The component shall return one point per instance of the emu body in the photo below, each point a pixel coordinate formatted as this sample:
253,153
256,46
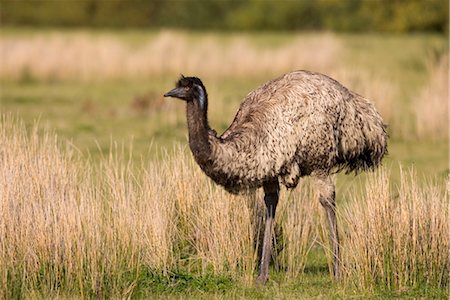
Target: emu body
300,124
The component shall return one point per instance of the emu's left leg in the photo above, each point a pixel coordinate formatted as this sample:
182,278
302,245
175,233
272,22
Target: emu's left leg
327,197
271,192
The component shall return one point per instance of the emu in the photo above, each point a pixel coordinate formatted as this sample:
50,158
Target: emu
299,124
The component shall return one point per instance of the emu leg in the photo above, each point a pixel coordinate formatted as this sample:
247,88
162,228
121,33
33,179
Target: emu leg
328,201
271,192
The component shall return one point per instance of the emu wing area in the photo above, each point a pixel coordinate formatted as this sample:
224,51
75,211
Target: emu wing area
277,129
296,125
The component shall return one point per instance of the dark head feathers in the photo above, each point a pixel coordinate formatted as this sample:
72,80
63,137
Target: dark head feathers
189,82
189,89
193,88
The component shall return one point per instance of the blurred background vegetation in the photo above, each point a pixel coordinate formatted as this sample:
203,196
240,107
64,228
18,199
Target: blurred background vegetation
349,15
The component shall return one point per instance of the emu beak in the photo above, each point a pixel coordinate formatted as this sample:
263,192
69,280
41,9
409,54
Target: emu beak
176,92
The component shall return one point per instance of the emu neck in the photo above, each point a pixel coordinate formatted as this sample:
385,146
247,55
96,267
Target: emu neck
198,127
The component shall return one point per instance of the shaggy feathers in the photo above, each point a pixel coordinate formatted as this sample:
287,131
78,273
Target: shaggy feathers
299,124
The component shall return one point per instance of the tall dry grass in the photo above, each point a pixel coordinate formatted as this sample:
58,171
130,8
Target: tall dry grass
86,56
397,238
297,225
61,227
431,105
68,227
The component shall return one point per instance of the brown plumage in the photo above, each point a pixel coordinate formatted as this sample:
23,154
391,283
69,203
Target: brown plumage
299,124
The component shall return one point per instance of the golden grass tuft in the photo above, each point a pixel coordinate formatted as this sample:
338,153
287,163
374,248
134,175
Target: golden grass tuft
396,238
68,227
297,222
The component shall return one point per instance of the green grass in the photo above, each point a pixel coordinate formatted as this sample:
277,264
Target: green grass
314,283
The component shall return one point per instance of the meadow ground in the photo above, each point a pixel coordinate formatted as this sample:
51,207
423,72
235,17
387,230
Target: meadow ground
88,233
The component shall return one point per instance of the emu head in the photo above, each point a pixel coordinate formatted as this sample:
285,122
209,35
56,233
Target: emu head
189,89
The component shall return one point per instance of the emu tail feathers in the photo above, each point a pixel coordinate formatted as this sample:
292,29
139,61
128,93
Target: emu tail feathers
363,137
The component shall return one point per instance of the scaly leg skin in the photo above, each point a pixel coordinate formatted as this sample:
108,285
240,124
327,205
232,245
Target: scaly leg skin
271,193
328,201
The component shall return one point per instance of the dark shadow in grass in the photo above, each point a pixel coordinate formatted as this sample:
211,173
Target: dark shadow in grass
317,269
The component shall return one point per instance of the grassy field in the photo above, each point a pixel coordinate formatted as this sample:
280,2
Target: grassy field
75,212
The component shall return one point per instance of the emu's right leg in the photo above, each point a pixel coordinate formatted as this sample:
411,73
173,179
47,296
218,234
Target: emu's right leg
271,192
327,196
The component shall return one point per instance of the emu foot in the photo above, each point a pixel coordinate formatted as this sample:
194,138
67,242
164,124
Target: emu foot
337,274
262,279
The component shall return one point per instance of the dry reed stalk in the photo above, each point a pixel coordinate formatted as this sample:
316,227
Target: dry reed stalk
218,230
90,57
396,239
431,106
42,234
67,226
297,218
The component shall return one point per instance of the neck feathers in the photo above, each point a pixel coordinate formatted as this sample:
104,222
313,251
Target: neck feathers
201,97
198,126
